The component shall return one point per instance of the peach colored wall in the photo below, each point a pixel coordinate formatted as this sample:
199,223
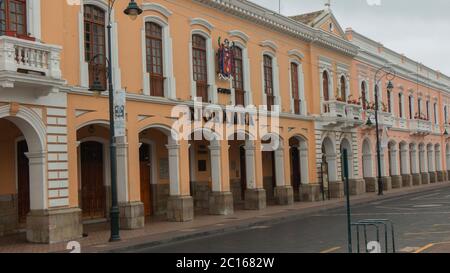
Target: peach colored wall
8,156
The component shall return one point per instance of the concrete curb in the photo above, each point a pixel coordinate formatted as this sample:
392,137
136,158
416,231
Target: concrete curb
290,215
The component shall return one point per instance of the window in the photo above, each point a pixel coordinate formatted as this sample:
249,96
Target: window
13,18
363,95
411,103
419,107
435,113
200,66
389,101
325,88
94,44
400,105
445,115
238,77
268,81
428,109
295,88
154,53
343,89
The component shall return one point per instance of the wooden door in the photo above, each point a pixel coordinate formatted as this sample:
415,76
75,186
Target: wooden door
295,168
23,181
243,172
93,193
145,174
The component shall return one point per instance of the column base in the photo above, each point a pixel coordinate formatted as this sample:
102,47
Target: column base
371,184
440,176
433,177
425,178
357,186
396,181
132,215
336,189
180,208
284,195
407,180
417,179
255,199
310,193
221,203
53,226
387,183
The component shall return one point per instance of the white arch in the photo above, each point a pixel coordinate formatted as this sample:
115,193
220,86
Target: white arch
34,131
172,135
157,7
237,33
202,22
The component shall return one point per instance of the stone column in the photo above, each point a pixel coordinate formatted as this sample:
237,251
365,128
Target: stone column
309,192
131,212
220,199
431,166
45,225
369,179
283,192
424,167
387,182
396,178
255,195
336,186
416,177
405,168
357,185
180,204
440,174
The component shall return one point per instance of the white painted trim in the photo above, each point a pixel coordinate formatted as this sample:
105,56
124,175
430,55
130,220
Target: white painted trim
212,95
237,33
270,44
296,53
202,22
169,81
34,18
157,7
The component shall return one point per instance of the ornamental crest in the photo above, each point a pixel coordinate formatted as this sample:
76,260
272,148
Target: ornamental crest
226,59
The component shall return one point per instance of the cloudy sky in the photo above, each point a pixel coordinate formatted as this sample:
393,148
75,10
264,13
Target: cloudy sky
418,28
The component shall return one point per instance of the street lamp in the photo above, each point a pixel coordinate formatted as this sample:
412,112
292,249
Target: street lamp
389,73
133,10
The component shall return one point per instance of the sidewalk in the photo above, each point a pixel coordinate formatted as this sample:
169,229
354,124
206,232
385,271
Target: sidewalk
159,231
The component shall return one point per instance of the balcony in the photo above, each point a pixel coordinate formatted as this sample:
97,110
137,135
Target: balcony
385,119
25,63
338,113
420,127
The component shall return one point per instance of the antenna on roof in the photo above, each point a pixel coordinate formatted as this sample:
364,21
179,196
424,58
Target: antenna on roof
328,4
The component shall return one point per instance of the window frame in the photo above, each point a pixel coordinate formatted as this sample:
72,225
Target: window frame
200,70
151,39
25,34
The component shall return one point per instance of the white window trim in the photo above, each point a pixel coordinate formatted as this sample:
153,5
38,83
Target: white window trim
276,80
169,81
248,98
301,87
330,85
84,66
365,82
347,83
413,102
402,111
212,95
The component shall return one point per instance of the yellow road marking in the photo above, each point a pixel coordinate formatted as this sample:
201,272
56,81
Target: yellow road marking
333,249
422,249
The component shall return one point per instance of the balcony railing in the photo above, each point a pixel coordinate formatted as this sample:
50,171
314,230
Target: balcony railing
30,57
338,112
420,127
385,119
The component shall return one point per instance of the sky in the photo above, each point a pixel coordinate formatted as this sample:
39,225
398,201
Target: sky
420,29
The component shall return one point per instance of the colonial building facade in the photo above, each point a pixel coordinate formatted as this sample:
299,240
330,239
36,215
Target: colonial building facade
306,80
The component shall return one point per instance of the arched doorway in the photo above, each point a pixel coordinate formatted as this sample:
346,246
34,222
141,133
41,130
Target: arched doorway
405,167
299,164
431,163
438,163
23,168
145,165
23,181
94,171
394,171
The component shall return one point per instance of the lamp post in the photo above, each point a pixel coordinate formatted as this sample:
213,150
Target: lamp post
132,10
389,73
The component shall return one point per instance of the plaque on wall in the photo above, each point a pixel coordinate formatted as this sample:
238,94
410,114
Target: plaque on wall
164,168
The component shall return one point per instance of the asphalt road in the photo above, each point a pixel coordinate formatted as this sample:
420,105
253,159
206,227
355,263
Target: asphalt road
419,218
